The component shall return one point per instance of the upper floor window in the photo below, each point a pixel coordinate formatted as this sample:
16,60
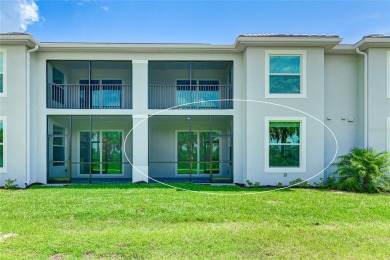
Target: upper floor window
388,74
3,144
285,74
3,75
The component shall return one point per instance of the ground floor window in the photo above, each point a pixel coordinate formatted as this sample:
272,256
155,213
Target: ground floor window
3,147
195,151
285,150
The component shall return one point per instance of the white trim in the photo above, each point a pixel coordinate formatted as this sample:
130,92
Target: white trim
4,168
388,74
388,134
4,93
302,54
197,174
302,150
140,61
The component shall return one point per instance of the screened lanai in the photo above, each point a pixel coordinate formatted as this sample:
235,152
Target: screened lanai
191,148
88,149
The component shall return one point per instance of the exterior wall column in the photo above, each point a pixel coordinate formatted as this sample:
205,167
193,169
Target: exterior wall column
140,148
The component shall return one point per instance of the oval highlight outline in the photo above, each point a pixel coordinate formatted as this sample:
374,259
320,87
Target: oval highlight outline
241,193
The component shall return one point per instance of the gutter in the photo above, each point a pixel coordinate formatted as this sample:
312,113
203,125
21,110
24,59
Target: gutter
365,95
28,114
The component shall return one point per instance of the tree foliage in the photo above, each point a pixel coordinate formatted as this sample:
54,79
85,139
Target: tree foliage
362,170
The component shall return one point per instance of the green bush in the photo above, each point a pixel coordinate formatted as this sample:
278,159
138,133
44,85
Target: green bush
299,183
362,170
10,184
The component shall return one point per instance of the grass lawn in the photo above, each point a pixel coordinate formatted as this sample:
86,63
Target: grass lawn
152,221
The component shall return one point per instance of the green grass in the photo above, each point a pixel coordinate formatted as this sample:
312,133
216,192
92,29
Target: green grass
152,221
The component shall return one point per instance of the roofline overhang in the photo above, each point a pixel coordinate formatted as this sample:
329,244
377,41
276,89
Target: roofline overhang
136,47
18,39
243,42
373,42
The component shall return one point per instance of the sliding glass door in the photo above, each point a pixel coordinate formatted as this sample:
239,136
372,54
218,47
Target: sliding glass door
196,151
103,150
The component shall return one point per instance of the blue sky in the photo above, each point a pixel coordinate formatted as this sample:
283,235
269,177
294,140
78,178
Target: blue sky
216,22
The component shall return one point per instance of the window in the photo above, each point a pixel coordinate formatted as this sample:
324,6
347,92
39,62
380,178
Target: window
285,74
57,94
285,145
3,73
199,148
3,144
105,95
58,146
106,154
388,134
198,90
388,74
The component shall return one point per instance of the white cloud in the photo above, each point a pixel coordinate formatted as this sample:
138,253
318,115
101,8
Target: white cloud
17,15
105,8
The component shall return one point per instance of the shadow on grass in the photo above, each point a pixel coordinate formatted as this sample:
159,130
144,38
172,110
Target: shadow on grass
180,187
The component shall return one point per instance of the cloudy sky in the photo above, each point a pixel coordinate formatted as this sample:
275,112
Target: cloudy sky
168,21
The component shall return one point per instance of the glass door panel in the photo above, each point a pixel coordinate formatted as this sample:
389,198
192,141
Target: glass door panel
209,151
96,167
112,152
85,151
187,152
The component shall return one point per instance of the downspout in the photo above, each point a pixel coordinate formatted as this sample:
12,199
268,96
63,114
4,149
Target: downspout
28,114
365,75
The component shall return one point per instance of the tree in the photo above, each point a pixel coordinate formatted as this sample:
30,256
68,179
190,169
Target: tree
362,170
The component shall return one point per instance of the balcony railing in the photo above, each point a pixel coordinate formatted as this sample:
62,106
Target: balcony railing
89,96
190,96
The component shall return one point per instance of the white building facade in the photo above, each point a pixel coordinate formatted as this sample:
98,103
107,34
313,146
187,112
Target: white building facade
269,108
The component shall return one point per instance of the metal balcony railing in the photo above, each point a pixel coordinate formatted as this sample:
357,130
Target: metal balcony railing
190,96
89,96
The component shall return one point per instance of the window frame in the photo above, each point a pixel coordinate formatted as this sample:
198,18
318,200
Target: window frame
302,54
4,168
302,145
4,72
388,134
62,146
388,74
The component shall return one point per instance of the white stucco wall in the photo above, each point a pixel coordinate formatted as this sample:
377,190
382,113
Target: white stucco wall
13,107
378,101
343,104
256,113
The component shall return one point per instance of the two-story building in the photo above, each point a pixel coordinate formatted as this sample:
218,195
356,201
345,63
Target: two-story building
269,108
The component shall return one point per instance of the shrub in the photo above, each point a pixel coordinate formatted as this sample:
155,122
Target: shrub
299,183
10,184
252,185
362,170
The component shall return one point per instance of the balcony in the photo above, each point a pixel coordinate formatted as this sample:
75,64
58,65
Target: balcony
190,84
89,84
89,96
190,96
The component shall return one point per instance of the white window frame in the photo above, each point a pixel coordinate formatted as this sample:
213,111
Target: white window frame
4,168
388,134
302,54
61,146
4,93
388,74
302,150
